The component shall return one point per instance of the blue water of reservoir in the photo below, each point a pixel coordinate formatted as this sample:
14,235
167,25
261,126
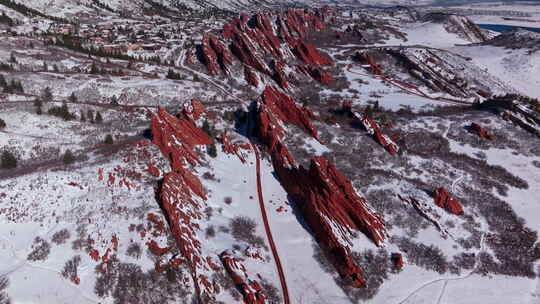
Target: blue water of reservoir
503,28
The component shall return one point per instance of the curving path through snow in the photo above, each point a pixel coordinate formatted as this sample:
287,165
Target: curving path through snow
279,267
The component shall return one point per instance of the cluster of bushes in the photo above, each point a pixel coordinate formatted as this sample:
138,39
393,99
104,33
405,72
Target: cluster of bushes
14,86
40,250
243,229
128,283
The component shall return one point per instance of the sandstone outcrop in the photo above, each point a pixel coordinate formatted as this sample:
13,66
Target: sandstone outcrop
251,289
480,131
444,200
177,138
374,129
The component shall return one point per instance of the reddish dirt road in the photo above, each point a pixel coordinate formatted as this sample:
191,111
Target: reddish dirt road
281,274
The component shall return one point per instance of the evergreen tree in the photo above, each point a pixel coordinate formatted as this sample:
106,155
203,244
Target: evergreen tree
38,104
90,116
2,124
45,66
3,82
12,58
68,158
83,118
109,139
46,95
99,119
72,98
8,160
212,151
114,100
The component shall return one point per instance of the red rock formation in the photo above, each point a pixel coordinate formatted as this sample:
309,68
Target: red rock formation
155,249
365,58
244,49
283,107
480,131
251,289
373,129
251,77
194,109
231,148
332,209
309,54
279,74
321,76
177,138
444,200
397,260
209,56
182,194
153,170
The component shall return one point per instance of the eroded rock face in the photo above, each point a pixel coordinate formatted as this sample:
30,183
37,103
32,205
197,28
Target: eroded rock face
397,260
194,109
276,36
283,107
251,289
309,54
215,54
177,138
322,76
251,77
444,200
182,194
480,131
374,129
333,210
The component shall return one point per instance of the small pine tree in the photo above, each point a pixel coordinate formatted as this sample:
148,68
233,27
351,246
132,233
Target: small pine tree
68,158
3,82
8,160
46,95
212,151
55,68
2,124
83,117
109,139
72,98
12,58
38,104
90,115
99,119
114,100
45,66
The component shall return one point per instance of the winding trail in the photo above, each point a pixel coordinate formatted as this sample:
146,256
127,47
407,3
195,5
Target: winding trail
446,280
279,267
410,89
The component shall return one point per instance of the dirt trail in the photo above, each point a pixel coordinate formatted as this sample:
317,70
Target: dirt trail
279,267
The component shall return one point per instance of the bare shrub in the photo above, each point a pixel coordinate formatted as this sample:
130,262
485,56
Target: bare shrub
134,250
4,297
228,200
60,237
428,257
71,268
127,283
40,250
243,229
210,232
375,266
271,292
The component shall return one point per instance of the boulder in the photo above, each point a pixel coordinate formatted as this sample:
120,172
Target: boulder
480,131
177,138
320,75
397,260
251,289
444,200
309,54
250,76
